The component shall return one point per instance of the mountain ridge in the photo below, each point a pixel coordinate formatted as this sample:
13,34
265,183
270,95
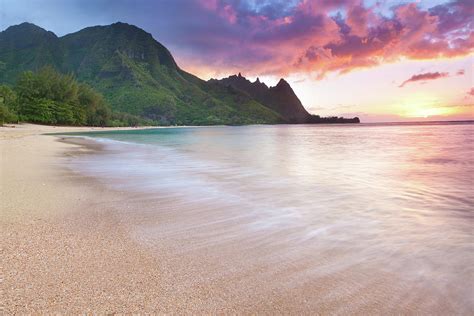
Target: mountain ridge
281,98
138,75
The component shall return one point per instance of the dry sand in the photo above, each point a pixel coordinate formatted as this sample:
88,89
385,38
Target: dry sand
68,245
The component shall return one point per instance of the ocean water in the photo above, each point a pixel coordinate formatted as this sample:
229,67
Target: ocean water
358,212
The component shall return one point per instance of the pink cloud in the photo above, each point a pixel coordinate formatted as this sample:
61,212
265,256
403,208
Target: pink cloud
209,4
425,77
311,36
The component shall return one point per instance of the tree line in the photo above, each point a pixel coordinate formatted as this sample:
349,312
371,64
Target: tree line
49,97
316,119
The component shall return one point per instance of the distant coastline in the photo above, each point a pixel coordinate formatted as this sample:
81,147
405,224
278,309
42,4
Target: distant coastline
434,122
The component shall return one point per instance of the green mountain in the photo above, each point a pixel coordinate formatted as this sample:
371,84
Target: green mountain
139,76
26,47
135,73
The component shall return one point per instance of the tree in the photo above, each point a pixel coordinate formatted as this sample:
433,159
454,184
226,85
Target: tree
93,106
8,105
49,97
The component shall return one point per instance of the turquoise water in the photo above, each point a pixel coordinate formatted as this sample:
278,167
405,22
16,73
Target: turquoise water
395,199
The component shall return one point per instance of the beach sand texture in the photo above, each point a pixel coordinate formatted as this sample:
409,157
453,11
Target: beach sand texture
61,249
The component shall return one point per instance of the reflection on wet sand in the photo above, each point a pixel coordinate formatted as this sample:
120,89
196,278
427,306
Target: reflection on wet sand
302,218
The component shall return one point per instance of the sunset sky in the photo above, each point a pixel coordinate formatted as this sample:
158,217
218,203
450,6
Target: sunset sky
379,60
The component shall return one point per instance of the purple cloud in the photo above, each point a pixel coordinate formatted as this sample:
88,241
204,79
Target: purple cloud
425,77
272,37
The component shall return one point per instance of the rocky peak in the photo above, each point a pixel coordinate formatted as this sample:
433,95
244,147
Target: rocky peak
26,29
283,84
280,98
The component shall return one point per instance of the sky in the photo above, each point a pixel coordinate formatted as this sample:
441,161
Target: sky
393,60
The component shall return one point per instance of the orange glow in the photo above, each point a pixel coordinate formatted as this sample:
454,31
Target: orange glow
430,112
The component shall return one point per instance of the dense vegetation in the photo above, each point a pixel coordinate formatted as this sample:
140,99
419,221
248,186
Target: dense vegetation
316,119
48,97
8,105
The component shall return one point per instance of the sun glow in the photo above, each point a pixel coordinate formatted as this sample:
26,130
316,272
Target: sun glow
429,112
421,105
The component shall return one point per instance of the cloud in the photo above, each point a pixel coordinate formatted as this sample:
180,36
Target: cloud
279,37
460,72
340,36
425,77
471,92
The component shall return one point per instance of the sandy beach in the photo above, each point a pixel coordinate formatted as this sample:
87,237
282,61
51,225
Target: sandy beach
65,250
62,249
70,244
300,157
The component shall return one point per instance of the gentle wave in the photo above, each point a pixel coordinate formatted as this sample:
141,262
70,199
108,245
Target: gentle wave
314,201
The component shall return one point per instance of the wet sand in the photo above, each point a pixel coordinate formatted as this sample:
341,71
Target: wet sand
71,245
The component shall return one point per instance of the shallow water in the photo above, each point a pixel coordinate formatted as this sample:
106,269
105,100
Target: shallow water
361,204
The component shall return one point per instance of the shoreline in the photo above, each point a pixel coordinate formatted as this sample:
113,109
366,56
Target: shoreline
63,248
68,244
72,244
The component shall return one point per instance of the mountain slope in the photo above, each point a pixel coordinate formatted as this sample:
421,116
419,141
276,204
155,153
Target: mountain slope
138,75
281,98
135,73
25,47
